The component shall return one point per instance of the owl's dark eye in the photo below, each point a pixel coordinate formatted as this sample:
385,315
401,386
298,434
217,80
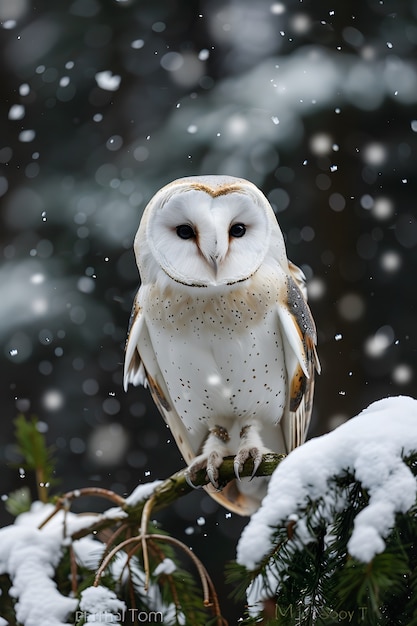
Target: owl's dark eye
237,230
185,231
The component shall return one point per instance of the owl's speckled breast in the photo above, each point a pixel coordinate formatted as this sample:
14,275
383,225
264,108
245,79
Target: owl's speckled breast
229,307
221,354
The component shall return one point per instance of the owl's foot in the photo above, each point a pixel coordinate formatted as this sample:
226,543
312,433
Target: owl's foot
250,447
210,462
214,449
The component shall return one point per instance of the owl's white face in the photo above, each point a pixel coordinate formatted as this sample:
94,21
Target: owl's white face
207,231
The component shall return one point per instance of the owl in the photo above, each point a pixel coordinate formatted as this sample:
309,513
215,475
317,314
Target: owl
221,331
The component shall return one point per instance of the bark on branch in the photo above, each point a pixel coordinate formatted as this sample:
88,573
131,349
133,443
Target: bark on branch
176,485
165,493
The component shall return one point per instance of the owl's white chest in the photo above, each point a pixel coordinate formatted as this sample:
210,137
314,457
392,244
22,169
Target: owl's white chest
221,355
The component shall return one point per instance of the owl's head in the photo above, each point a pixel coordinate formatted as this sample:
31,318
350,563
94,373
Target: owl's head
206,231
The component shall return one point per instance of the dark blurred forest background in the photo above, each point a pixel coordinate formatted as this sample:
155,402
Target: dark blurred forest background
104,101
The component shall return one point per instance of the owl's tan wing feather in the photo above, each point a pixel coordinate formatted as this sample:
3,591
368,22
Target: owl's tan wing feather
231,498
299,335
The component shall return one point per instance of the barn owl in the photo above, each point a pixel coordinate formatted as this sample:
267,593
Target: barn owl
221,331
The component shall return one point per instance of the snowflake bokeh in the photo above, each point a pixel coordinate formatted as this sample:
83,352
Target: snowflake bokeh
103,103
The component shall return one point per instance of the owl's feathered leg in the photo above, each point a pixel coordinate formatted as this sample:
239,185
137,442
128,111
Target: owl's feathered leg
250,446
214,449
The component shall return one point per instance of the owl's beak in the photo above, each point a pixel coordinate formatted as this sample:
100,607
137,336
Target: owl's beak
216,255
214,263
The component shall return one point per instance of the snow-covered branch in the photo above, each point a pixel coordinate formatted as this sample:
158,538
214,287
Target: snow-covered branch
337,503
33,548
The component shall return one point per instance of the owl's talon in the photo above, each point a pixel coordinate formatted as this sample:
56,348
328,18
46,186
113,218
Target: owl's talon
243,455
190,482
256,463
237,468
212,475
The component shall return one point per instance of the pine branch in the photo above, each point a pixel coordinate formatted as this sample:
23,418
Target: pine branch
172,488
37,456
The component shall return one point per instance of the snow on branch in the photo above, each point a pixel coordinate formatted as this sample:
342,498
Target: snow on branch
372,446
30,557
41,539
305,495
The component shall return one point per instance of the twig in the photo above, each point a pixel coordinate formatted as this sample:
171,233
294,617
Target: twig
105,562
209,592
98,492
146,513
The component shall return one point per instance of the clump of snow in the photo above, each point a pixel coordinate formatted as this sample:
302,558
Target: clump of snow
101,605
167,566
88,552
29,556
173,617
372,447
115,513
142,492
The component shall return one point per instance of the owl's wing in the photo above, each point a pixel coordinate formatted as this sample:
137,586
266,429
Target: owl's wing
134,371
299,336
138,352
